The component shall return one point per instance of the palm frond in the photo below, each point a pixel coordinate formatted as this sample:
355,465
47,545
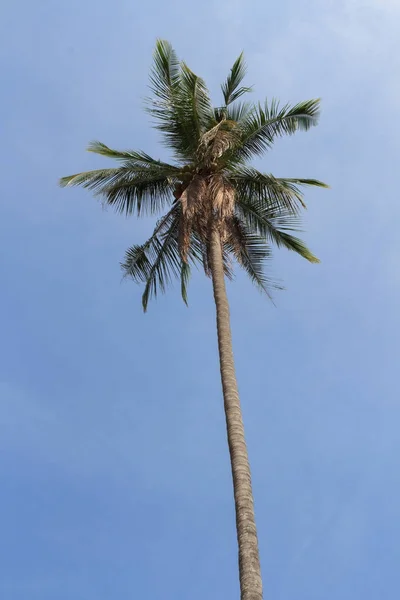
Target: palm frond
128,190
309,182
132,158
182,108
156,262
165,72
273,224
185,276
230,88
166,107
273,191
195,102
91,179
144,194
251,252
239,111
264,124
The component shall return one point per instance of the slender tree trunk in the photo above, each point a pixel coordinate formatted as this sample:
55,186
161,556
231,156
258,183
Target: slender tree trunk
249,562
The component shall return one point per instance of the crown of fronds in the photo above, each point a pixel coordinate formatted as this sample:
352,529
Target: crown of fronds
210,182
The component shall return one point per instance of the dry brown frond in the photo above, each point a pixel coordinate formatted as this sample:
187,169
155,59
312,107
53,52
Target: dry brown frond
194,207
193,196
206,200
222,196
217,140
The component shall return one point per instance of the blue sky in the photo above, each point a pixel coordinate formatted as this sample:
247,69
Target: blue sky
114,471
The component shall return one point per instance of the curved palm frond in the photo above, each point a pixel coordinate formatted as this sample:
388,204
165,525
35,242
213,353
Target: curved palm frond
128,189
264,124
165,72
239,112
195,103
274,191
185,276
132,158
236,112
93,179
273,224
158,261
250,251
141,184
230,88
165,107
143,194
182,108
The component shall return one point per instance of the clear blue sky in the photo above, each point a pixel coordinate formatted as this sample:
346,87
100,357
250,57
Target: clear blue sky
114,471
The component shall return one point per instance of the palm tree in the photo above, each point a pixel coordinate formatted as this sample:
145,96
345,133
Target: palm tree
219,210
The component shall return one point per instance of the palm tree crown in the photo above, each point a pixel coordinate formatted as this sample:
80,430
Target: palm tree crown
210,183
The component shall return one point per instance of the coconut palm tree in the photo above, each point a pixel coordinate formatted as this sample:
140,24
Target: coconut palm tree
218,211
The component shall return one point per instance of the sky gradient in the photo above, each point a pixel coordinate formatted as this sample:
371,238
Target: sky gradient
114,470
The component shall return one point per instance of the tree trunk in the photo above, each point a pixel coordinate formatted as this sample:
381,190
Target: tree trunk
249,562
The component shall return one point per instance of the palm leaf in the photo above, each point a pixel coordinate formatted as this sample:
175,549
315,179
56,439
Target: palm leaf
127,189
166,107
251,252
144,195
93,179
185,276
195,102
157,261
273,191
264,124
165,72
133,158
230,88
273,224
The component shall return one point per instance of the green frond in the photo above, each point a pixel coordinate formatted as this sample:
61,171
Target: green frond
230,88
273,191
195,101
309,182
156,262
181,108
90,179
166,107
144,195
128,190
264,124
250,251
297,245
99,148
185,276
141,184
133,158
273,224
165,72
238,112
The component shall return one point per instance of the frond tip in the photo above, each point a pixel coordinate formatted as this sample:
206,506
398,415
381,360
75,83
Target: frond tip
230,88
